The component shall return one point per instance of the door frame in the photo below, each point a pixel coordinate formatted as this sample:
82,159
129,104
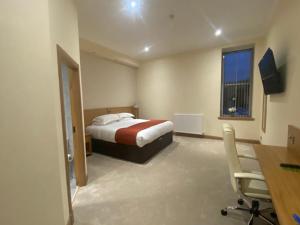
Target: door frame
79,154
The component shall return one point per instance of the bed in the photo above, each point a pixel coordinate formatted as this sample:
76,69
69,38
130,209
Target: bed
135,140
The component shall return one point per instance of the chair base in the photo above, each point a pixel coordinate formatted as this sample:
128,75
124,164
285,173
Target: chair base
253,209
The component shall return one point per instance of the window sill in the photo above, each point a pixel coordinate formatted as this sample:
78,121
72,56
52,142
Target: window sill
236,118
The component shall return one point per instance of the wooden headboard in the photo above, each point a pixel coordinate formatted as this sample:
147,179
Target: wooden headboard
90,114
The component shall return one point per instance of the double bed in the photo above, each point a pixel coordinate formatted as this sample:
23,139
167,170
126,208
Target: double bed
135,140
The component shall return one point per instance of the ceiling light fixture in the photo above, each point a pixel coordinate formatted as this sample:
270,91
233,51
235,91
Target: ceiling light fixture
218,32
146,49
132,8
133,4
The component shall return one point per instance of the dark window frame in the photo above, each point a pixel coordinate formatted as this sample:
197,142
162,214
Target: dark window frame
237,117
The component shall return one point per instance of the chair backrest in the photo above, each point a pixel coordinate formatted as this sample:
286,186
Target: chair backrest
231,153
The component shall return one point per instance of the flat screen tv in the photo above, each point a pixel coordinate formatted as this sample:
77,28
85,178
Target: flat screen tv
270,76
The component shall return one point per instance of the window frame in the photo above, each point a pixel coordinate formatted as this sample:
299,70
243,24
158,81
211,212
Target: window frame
234,117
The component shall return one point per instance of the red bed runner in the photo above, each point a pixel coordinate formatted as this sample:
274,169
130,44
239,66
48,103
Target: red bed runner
128,135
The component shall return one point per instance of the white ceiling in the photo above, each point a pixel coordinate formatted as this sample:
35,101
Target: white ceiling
110,24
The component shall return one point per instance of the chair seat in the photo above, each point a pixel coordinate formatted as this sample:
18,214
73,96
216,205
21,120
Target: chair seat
255,189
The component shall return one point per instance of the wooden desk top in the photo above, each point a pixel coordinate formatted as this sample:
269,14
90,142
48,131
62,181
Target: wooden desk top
283,185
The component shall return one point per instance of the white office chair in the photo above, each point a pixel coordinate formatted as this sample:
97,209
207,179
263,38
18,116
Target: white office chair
247,184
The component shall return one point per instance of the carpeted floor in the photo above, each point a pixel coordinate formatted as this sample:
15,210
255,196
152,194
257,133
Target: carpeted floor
185,184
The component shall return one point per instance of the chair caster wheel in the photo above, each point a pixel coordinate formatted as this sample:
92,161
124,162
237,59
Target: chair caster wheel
224,212
241,201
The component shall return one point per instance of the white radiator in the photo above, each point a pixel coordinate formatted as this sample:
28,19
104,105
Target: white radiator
189,123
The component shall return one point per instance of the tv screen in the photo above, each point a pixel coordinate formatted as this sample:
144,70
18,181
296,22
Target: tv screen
270,76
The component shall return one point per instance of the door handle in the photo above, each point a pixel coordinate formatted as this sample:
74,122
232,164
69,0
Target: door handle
70,154
70,157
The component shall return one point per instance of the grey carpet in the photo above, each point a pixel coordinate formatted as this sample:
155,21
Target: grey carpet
185,184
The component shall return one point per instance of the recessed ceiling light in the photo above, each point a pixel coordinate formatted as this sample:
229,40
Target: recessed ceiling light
218,32
132,8
133,4
146,49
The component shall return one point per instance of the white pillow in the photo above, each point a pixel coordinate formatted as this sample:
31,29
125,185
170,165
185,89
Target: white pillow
125,115
125,119
105,119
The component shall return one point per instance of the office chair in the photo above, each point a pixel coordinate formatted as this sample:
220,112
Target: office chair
249,185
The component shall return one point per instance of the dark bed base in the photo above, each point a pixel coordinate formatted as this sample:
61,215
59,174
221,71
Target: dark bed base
130,152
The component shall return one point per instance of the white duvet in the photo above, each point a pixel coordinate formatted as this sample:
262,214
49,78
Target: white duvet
146,136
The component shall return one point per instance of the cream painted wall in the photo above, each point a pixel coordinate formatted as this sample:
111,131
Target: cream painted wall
63,32
284,39
191,83
33,182
106,83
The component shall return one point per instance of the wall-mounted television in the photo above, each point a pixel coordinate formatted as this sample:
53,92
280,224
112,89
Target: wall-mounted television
270,76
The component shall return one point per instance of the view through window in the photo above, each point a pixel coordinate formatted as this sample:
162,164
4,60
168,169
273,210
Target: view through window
237,83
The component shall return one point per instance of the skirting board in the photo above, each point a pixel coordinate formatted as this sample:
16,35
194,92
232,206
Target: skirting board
216,138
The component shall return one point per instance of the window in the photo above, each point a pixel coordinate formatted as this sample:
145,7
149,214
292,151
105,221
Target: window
237,73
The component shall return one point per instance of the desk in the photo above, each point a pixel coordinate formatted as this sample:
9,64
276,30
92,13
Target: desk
284,186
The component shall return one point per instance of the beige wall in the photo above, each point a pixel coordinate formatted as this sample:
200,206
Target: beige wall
106,83
63,32
33,182
191,83
100,51
284,39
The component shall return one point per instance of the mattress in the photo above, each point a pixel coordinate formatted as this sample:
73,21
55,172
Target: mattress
144,137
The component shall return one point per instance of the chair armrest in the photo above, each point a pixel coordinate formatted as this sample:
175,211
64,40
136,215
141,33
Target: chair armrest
246,156
251,176
252,171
